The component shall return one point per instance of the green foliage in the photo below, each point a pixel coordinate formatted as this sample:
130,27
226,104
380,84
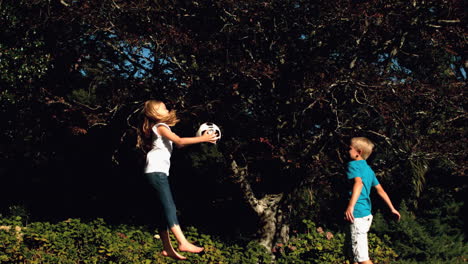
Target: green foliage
23,64
205,155
73,241
317,246
10,245
421,240
218,252
83,96
22,50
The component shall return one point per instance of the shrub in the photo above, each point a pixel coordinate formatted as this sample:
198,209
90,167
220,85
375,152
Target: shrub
72,241
319,246
217,252
421,240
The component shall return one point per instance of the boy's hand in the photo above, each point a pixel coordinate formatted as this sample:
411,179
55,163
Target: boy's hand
349,214
357,188
395,212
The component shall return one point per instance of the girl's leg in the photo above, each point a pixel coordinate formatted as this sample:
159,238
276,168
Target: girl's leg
161,183
168,250
184,245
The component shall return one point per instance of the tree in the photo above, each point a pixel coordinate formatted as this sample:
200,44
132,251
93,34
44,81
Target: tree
289,82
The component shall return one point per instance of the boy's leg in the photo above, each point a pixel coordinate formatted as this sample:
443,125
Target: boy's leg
348,245
360,247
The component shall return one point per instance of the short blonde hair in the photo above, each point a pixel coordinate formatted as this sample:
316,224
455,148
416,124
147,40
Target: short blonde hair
363,145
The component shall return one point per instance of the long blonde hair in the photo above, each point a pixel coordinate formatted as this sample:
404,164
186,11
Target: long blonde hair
151,116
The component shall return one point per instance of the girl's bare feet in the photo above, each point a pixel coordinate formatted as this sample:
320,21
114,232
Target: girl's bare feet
173,254
190,248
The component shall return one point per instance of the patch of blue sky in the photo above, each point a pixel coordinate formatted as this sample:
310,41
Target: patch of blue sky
83,72
397,67
145,58
463,72
314,129
335,55
456,60
165,62
142,55
382,57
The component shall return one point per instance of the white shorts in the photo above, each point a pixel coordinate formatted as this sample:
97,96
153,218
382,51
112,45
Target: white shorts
359,245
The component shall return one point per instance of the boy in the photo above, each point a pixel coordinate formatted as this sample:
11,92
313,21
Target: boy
358,211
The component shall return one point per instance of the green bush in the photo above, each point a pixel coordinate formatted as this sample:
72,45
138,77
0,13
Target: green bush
72,241
318,246
84,96
420,240
225,253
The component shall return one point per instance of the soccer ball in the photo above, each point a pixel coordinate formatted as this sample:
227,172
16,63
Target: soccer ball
209,128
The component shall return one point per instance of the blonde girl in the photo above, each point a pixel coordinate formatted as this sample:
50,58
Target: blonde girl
156,132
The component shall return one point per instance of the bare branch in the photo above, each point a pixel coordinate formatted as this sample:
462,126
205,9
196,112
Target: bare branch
240,173
449,21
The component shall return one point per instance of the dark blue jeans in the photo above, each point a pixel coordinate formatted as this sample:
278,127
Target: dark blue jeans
160,183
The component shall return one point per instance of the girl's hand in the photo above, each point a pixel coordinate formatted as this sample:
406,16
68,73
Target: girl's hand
209,137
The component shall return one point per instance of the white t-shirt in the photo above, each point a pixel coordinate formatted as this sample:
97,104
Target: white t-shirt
158,159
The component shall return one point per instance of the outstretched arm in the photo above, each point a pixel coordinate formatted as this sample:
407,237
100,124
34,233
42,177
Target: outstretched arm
387,200
181,142
357,188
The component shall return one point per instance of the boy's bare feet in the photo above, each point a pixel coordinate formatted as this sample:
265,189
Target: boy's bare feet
190,248
173,255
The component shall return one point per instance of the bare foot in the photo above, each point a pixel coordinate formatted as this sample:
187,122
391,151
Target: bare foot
190,248
173,255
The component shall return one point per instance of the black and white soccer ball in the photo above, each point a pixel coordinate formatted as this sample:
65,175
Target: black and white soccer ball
209,128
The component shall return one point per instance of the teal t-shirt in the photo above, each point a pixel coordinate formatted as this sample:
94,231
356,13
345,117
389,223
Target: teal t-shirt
360,168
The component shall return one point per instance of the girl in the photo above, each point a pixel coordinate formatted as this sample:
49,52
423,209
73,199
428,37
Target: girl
156,129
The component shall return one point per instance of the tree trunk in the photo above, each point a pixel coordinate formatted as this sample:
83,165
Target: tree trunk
274,227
